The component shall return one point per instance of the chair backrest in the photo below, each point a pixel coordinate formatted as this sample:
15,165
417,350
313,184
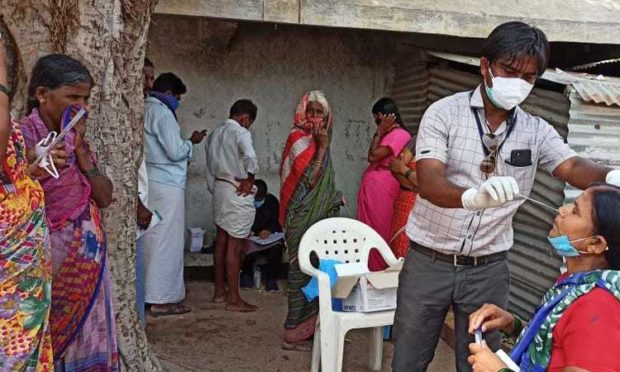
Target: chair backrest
342,239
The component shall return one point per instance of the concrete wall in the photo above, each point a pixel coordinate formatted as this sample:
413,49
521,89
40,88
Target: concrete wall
590,21
273,66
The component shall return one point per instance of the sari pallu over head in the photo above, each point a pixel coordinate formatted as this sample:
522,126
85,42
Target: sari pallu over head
300,149
76,235
300,207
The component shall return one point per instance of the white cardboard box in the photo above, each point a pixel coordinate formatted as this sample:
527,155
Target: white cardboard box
196,238
365,291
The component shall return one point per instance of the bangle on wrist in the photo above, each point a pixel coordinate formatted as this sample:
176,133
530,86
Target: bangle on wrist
6,90
92,172
505,370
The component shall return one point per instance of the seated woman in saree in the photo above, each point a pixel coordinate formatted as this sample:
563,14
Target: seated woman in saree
307,195
577,326
379,188
403,169
25,263
82,318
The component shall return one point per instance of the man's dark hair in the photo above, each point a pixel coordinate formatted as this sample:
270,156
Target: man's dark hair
515,40
148,63
261,186
54,71
169,82
244,106
605,207
387,106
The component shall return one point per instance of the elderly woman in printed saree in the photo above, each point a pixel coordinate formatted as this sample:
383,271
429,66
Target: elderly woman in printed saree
25,263
307,195
82,318
577,326
379,188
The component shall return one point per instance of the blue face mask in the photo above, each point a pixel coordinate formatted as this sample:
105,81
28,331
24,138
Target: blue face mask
258,203
563,246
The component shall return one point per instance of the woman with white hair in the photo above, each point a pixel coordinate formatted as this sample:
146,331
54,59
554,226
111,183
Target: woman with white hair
307,195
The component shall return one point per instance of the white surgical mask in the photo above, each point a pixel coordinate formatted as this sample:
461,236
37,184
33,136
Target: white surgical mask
507,93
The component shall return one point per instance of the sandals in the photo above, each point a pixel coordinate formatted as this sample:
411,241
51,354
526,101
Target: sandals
305,346
173,309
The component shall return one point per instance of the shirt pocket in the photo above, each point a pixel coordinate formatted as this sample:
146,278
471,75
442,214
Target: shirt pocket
523,174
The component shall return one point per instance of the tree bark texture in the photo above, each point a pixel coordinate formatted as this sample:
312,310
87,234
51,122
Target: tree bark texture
109,37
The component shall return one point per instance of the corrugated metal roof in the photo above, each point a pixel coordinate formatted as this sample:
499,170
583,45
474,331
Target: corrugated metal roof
597,89
598,92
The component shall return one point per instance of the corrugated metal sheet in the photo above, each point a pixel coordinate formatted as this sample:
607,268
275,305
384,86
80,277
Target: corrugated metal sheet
594,132
598,91
410,91
533,266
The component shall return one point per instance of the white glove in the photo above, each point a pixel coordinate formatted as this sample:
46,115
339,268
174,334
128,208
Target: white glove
613,177
492,193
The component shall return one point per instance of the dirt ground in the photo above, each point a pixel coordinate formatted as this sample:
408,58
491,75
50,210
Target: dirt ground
213,339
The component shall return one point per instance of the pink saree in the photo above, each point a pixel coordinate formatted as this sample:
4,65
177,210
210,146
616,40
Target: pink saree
378,191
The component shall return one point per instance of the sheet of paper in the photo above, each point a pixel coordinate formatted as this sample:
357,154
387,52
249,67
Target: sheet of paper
155,220
270,239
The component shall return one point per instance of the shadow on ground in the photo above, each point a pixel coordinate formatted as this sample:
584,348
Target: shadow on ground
213,339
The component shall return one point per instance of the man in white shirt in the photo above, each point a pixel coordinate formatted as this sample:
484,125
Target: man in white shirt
144,215
231,166
477,153
167,155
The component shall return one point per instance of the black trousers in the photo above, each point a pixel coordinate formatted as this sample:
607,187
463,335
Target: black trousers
271,269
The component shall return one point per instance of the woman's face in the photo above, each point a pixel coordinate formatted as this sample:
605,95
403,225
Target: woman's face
377,119
52,103
314,110
575,220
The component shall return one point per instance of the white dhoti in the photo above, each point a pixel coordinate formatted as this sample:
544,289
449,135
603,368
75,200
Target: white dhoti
163,246
233,213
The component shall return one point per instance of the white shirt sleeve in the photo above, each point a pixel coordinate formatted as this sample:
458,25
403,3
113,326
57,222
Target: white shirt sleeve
143,183
553,150
432,138
247,152
169,137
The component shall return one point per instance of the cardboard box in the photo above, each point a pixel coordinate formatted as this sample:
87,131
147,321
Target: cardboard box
365,291
196,238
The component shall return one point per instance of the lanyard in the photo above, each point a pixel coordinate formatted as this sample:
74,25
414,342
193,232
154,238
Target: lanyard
510,123
519,351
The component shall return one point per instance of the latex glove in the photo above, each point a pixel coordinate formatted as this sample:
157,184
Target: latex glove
613,177
492,193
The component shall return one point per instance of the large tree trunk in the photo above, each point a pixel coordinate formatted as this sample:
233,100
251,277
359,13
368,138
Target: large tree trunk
109,36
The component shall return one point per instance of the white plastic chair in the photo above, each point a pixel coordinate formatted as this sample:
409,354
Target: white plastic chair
348,241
